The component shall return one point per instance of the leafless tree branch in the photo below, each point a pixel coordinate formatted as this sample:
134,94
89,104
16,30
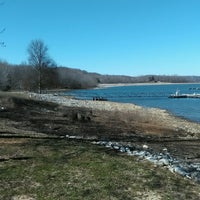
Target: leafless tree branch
2,30
2,44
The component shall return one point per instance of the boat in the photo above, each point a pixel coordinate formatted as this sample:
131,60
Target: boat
99,99
179,95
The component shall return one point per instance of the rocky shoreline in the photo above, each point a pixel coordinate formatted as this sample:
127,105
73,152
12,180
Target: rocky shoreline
187,169
128,128
163,159
164,118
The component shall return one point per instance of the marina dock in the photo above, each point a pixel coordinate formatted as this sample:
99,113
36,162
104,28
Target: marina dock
179,95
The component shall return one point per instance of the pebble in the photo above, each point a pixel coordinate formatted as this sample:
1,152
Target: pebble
2,108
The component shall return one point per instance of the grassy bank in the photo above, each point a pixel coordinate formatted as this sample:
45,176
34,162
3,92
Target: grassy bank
63,169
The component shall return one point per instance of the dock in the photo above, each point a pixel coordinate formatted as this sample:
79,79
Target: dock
179,95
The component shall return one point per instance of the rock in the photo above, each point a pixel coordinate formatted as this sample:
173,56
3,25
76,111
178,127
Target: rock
196,176
83,116
180,170
79,117
165,150
191,171
22,197
109,145
163,162
116,147
122,149
145,146
2,109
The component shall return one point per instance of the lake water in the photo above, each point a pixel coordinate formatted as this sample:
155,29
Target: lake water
150,96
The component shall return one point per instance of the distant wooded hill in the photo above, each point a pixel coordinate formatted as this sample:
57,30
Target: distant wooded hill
24,77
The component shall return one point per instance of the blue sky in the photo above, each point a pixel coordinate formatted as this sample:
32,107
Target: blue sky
126,37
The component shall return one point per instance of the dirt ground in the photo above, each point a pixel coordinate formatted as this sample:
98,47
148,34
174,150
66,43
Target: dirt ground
21,117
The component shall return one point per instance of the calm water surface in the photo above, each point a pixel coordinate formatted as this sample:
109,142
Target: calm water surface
150,96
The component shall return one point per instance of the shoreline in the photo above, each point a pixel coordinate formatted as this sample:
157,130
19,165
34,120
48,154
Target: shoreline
47,115
160,118
175,112
164,119
108,85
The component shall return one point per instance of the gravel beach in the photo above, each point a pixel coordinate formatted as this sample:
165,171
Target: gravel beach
155,116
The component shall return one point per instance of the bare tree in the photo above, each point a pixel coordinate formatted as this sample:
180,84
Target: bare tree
39,59
2,44
5,72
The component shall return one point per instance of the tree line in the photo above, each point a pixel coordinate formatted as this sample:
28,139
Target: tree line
41,73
